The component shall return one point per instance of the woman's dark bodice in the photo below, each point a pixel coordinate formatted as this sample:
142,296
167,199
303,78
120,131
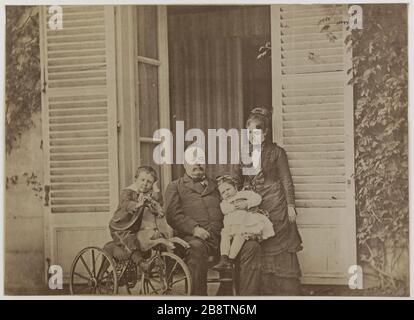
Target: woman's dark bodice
274,183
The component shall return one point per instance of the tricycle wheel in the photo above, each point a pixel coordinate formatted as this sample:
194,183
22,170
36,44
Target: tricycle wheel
167,274
93,272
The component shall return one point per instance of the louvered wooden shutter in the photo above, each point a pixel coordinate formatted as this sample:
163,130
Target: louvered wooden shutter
313,119
79,135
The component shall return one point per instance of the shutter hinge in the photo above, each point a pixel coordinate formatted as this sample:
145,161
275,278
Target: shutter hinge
44,80
47,190
118,126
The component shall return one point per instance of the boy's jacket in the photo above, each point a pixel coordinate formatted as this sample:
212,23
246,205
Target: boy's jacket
127,215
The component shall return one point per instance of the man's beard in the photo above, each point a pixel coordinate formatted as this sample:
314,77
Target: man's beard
198,174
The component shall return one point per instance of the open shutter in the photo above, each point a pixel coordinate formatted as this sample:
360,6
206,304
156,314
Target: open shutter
79,130
313,121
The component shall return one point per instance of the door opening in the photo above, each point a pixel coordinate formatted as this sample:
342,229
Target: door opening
215,76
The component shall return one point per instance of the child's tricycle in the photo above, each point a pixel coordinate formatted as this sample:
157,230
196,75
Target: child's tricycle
97,272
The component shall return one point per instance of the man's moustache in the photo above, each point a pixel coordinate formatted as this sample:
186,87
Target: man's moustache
199,178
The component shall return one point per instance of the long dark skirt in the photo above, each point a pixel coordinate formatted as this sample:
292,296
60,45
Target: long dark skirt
280,275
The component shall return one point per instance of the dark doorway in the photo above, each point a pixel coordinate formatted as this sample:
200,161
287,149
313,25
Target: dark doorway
215,76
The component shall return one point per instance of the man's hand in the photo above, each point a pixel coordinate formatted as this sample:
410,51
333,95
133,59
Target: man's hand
292,214
201,233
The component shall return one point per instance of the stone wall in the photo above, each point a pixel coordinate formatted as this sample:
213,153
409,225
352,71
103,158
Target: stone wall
24,249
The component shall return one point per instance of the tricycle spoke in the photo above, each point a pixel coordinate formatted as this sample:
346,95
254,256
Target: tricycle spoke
155,290
172,271
96,262
176,281
93,263
86,266
81,276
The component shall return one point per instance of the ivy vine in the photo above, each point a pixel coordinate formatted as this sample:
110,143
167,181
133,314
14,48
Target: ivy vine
22,71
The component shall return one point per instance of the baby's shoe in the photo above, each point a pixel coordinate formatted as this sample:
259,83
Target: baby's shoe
224,264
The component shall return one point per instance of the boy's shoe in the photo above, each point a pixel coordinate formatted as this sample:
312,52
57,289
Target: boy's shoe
224,264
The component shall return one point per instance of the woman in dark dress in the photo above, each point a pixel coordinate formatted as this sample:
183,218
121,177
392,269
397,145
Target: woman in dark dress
280,265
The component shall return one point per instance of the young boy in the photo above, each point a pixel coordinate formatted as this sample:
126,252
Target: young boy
139,223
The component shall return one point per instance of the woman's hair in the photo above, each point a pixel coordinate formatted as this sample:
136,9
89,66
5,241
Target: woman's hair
226,179
263,117
147,169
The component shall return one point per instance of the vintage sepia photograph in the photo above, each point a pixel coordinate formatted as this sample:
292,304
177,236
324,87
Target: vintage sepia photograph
206,150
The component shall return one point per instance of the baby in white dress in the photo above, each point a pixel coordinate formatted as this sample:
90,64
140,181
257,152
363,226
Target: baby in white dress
242,220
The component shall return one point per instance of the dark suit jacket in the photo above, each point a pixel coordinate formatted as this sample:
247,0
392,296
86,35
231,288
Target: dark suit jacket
188,204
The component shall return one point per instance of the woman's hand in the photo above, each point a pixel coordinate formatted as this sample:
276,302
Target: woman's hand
241,204
292,214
